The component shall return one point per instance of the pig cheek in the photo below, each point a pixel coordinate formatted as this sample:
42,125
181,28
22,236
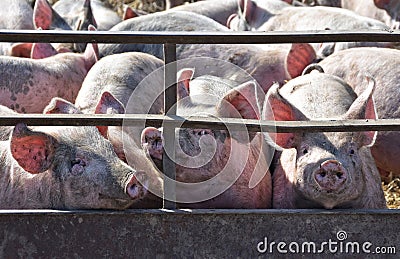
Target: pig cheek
304,180
80,191
355,179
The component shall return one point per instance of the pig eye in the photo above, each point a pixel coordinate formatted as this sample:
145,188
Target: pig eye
305,151
201,132
351,152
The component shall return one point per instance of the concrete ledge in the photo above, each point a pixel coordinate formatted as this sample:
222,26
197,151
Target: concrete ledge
198,233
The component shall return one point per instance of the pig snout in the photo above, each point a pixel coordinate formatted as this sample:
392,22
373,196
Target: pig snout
136,189
330,176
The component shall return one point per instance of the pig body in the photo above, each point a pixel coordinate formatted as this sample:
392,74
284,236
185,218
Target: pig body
354,63
15,15
385,11
204,154
173,3
27,85
324,170
259,18
264,18
161,21
72,10
331,3
265,65
64,168
216,10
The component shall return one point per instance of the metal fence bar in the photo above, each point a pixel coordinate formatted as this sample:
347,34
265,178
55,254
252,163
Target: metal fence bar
170,99
195,37
199,122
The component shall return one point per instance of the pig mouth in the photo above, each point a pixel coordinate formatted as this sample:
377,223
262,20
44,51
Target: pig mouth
120,203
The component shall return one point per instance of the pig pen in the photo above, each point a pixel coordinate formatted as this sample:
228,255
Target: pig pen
180,233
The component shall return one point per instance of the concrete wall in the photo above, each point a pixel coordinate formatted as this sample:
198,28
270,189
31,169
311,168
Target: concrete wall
196,234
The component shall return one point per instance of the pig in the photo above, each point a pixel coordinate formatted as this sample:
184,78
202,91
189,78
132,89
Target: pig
265,65
217,156
46,18
80,13
172,3
65,168
118,74
323,170
15,15
29,84
387,11
382,64
130,12
255,17
216,10
161,21
109,85
138,158
331,3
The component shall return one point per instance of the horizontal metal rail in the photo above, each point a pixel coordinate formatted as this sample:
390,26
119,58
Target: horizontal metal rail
196,37
200,122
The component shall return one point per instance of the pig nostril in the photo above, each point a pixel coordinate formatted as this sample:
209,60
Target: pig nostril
322,174
132,188
339,175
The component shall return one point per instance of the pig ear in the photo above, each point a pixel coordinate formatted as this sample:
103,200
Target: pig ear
152,135
42,14
230,20
60,106
34,151
299,56
245,98
246,7
129,13
382,4
91,55
42,50
152,144
22,50
277,108
86,18
46,18
364,108
183,78
108,104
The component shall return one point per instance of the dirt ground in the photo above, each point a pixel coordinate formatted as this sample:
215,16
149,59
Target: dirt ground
392,193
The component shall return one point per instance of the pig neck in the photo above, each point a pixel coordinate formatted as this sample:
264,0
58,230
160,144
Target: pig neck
66,62
21,189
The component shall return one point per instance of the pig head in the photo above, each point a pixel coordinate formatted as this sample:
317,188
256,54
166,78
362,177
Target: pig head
324,170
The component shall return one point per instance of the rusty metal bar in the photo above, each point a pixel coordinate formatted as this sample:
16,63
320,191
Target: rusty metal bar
170,99
199,122
195,37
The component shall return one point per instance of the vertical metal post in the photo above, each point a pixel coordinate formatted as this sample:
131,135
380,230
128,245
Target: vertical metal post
170,98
